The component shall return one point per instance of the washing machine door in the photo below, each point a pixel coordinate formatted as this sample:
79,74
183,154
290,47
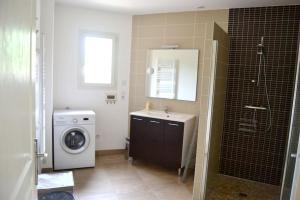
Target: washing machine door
75,140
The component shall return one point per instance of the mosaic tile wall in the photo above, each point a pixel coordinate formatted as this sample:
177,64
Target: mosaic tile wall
257,153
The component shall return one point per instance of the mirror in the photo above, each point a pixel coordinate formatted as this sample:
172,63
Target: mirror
172,74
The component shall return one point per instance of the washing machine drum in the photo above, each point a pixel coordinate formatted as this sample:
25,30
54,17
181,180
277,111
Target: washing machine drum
75,140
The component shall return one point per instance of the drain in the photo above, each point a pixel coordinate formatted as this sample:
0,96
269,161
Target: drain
242,194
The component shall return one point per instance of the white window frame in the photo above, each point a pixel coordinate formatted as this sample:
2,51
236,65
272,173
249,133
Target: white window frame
114,37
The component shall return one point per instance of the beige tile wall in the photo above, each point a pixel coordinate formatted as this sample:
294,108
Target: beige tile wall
219,102
218,95
188,30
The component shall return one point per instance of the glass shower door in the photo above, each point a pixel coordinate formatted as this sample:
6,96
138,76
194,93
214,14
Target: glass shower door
292,155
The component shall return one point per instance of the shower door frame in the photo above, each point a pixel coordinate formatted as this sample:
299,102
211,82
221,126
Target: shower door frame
296,176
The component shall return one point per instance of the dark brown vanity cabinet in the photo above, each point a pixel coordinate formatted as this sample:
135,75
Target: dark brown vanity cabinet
157,141
173,134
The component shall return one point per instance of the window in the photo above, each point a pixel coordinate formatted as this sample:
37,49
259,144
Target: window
97,54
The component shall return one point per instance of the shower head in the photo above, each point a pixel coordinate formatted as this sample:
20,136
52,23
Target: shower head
260,46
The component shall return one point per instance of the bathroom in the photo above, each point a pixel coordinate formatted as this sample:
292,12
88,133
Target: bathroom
227,130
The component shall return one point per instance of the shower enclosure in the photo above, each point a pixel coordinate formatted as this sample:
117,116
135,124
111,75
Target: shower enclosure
253,127
290,178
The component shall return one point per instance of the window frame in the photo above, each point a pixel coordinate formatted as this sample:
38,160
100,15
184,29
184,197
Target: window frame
114,37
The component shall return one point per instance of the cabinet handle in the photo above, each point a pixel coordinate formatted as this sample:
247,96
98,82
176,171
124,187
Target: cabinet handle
138,119
152,121
171,124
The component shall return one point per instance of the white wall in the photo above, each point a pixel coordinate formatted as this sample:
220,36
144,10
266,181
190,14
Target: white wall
111,119
47,28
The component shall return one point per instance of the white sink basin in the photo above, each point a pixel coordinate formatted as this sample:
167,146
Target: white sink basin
172,116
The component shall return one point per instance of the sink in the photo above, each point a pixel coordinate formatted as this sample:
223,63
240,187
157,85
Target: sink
164,114
172,116
158,113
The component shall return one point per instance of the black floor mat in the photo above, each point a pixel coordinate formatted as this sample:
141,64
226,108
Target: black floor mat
57,196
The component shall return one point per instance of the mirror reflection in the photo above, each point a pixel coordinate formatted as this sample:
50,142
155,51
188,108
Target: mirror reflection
172,74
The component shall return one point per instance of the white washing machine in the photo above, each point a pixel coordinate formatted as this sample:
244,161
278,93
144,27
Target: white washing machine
73,139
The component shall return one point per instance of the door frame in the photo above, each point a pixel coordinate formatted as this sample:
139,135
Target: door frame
215,46
295,191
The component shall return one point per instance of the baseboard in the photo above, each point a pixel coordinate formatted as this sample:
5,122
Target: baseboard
47,170
110,152
98,153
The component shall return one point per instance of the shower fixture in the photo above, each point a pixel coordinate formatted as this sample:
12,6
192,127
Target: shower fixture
262,64
260,46
256,107
261,71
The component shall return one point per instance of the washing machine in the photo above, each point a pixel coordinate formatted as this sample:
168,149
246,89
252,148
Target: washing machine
73,139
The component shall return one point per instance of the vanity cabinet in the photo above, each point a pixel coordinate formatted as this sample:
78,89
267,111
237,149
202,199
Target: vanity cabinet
159,141
173,134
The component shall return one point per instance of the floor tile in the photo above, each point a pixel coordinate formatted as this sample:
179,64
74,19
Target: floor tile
231,188
114,178
98,197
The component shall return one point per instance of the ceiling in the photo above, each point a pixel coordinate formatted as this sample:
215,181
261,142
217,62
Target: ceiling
159,6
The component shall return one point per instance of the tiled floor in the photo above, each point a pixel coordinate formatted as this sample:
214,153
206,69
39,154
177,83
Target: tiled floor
229,188
114,178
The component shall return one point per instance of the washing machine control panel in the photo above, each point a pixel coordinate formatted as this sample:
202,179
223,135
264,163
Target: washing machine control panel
63,120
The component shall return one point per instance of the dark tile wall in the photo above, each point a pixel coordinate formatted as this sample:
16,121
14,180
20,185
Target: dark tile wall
259,155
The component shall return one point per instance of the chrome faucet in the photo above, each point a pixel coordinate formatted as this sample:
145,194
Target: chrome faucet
166,109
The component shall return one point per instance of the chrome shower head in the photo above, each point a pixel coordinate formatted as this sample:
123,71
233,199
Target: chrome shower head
260,46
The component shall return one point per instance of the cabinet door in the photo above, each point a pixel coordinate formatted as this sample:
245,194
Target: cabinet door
154,140
137,137
173,139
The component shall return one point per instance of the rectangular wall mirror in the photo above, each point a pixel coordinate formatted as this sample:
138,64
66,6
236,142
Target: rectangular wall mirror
172,74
